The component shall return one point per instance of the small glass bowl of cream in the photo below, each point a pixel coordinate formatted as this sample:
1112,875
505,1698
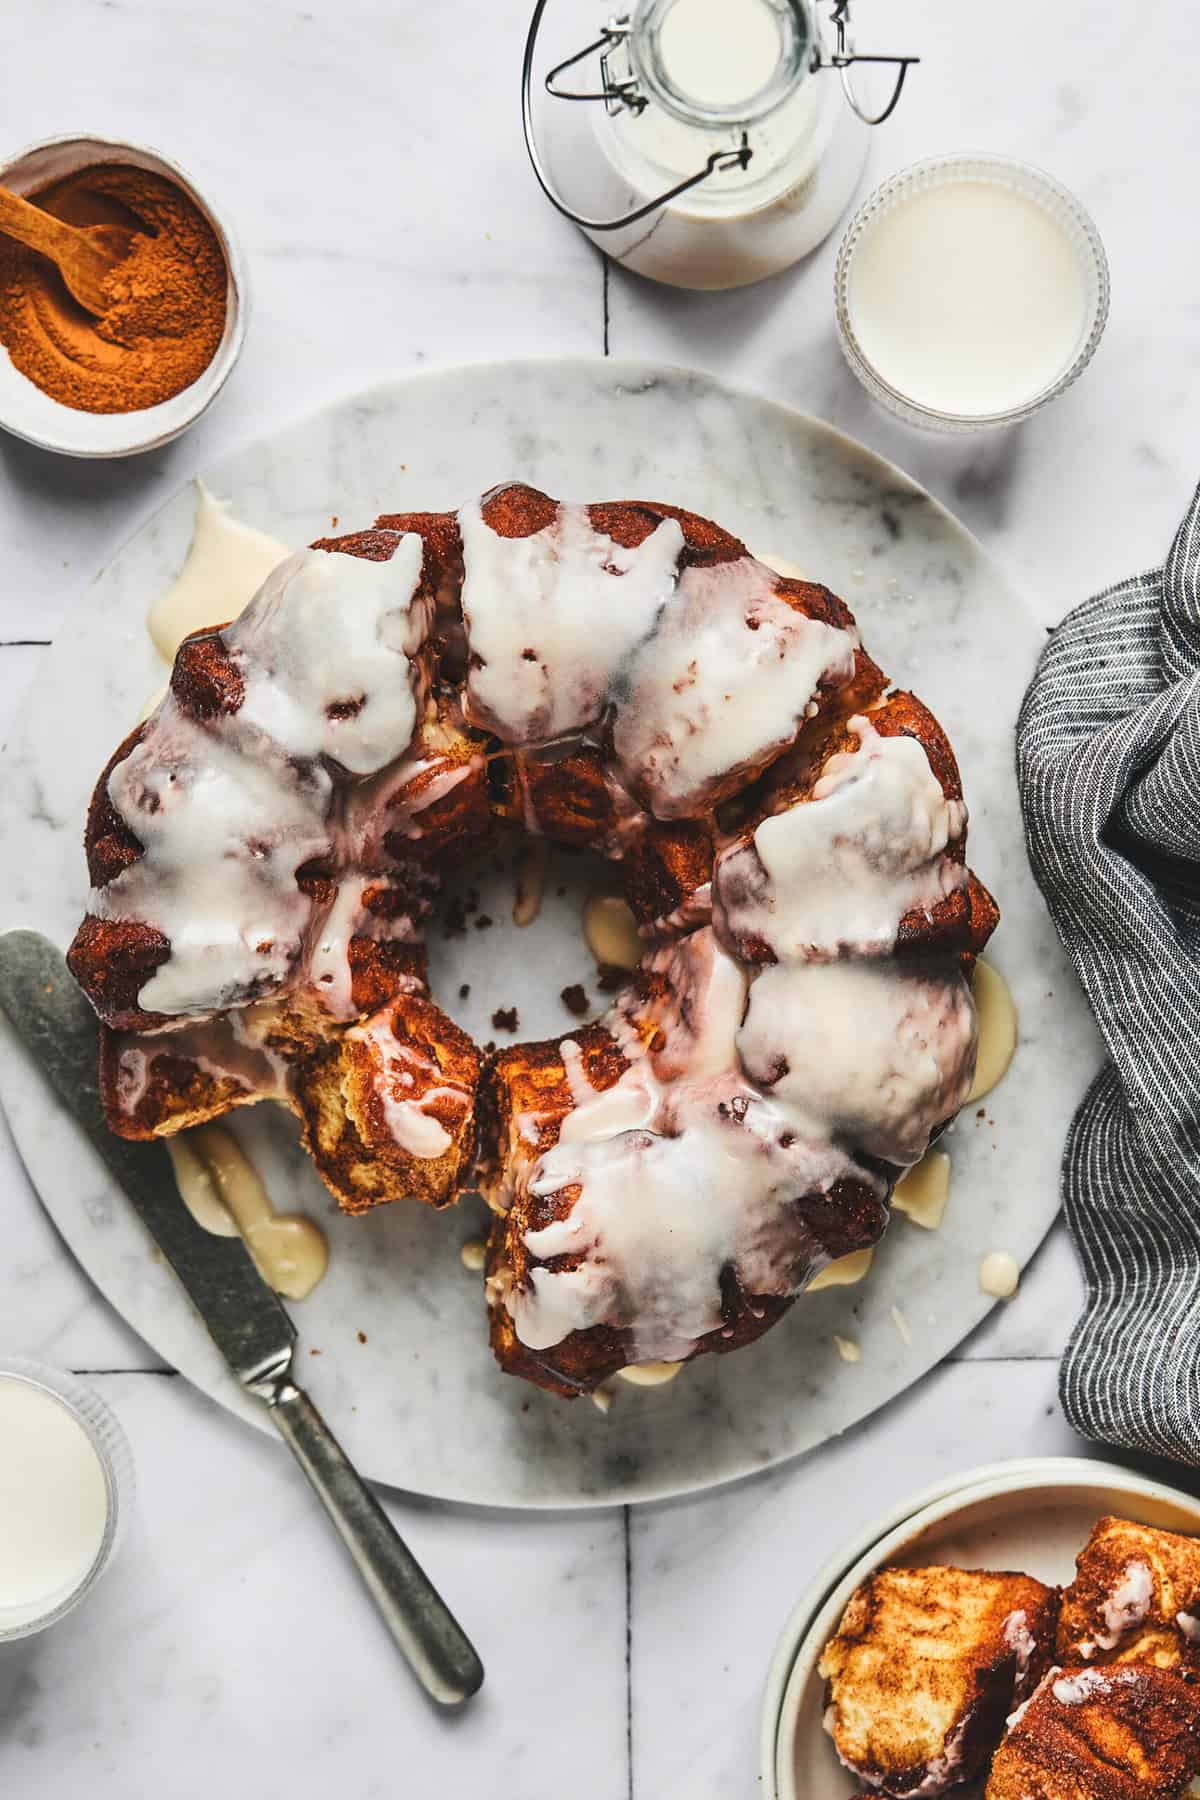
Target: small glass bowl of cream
66,1487
970,290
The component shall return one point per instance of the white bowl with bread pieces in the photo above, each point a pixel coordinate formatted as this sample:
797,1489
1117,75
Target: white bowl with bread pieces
1035,1516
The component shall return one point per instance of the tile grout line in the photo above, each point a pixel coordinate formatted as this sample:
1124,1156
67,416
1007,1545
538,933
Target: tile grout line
953,1360
161,1373
627,1518
25,643
606,267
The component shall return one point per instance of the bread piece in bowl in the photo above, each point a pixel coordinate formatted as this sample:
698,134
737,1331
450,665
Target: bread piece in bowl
924,1669
1116,1733
1135,1598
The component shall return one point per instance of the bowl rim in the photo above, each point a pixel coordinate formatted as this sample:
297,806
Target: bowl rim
877,1541
209,383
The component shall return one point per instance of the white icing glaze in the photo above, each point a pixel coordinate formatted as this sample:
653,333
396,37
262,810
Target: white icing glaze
223,835
721,686
1023,1645
1189,1624
1086,1684
326,652
872,1051
552,618
406,1083
837,872
329,971
232,1047
228,810
227,562
1128,1606
714,1168
847,1349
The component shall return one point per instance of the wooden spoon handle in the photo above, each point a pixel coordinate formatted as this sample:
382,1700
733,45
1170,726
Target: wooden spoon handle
84,263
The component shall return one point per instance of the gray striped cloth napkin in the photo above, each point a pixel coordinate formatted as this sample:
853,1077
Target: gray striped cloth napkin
1108,760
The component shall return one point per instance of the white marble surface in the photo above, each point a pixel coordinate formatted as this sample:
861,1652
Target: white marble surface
438,249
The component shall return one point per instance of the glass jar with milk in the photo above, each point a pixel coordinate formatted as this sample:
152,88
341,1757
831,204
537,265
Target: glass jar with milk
66,1485
706,152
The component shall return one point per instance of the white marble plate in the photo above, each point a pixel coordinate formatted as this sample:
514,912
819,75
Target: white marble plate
419,1403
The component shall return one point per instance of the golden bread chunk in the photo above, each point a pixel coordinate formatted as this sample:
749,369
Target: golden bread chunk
1135,1598
389,1107
1113,1733
925,1668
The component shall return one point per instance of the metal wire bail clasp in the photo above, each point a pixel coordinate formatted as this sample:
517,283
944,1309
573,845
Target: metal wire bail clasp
843,59
620,91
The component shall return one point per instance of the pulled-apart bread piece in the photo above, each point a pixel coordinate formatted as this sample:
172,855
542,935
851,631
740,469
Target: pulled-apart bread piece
654,1205
1135,1598
870,818
1116,1733
392,1098
924,1669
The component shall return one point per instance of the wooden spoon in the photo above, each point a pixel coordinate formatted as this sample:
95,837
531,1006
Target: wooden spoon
85,255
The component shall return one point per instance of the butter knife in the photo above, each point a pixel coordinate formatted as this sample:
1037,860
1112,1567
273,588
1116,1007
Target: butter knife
244,1317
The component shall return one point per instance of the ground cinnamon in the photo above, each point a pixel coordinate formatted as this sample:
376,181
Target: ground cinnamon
166,311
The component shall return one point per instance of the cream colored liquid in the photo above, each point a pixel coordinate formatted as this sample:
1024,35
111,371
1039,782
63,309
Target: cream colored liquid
999,1275
967,298
226,565
222,1190
651,1374
923,1192
531,868
997,1029
611,933
720,52
53,1502
845,1272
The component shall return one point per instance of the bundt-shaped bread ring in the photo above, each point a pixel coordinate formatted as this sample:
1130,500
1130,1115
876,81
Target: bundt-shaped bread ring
266,848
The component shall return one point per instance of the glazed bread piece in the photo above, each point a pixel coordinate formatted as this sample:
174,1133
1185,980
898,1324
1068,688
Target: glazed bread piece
389,1107
879,789
1116,1733
585,1273
924,1669
1135,1598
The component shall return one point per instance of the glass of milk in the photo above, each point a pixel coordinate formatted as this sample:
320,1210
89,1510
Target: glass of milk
970,290
66,1484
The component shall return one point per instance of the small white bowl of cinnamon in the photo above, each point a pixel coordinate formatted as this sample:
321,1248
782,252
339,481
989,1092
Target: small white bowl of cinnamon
135,376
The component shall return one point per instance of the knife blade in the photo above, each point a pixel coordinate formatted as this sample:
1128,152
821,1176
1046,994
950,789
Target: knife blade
244,1317
58,1027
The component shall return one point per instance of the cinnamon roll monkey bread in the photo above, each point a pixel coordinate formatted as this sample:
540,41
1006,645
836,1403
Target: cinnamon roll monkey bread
265,850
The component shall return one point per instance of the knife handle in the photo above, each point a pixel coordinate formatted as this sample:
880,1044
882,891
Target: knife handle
430,1637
